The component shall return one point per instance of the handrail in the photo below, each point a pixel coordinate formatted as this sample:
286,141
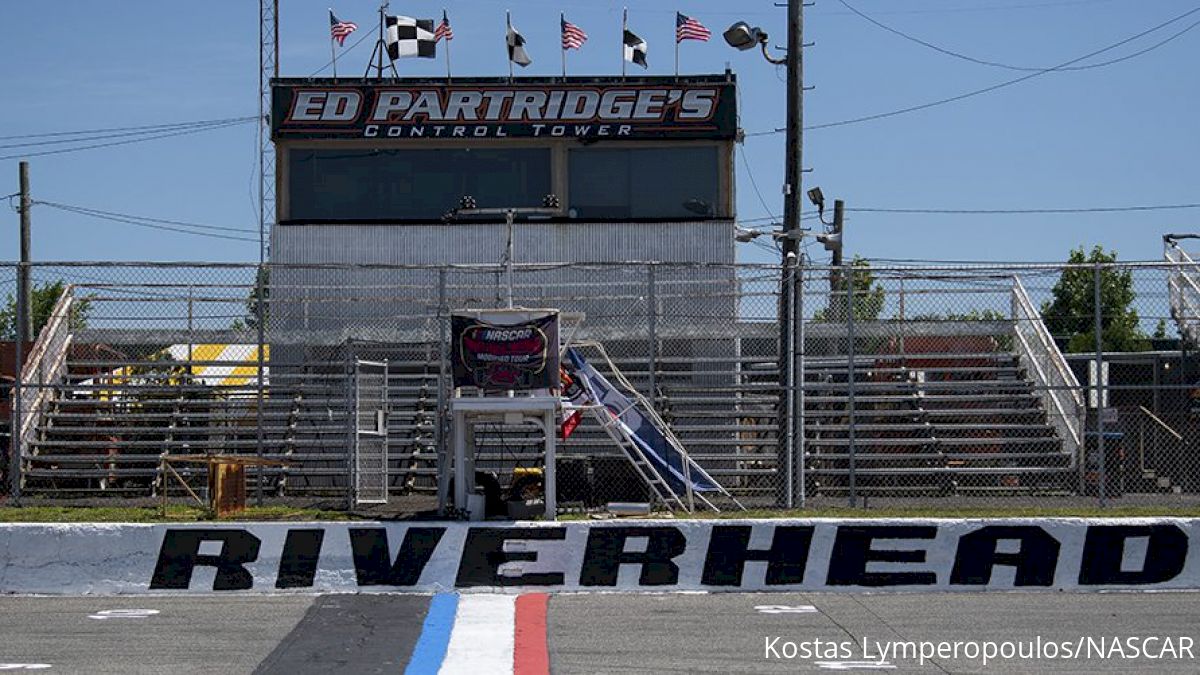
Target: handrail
1064,394
1177,296
1166,427
46,364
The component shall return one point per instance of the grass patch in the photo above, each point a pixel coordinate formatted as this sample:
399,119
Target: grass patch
933,512
151,514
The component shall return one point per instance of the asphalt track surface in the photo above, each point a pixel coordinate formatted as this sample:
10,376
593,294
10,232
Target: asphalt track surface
584,633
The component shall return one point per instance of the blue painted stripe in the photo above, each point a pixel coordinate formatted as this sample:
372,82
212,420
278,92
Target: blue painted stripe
430,651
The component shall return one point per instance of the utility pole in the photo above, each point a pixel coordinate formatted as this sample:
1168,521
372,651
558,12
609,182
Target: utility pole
833,242
24,288
790,283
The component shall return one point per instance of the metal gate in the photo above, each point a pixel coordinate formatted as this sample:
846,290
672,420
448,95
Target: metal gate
370,432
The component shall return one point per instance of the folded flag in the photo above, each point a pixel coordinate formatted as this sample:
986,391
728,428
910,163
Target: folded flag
635,49
687,28
408,37
516,48
340,30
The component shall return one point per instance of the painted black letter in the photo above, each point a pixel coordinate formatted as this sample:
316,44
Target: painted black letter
1166,553
483,554
852,551
728,553
180,553
372,559
298,563
606,553
976,555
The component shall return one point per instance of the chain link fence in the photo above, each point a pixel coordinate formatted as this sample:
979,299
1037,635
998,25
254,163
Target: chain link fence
902,386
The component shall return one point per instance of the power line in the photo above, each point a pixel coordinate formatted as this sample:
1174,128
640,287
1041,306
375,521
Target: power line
152,137
964,57
147,128
984,8
100,214
366,34
994,87
754,184
148,223
1098,209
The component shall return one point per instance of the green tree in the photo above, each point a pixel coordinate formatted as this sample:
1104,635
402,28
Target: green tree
1160,330
868,295
1070,315
44,297
262,283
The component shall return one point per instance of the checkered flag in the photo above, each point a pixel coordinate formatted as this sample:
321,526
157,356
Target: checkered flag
408,37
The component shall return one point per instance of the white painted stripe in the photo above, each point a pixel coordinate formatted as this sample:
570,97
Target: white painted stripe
482,641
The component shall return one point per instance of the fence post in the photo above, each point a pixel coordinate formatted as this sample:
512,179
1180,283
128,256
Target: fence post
1099,330
18,406
259,318
793,261
351,422
786,453
801,349
652,328
850,357
439,429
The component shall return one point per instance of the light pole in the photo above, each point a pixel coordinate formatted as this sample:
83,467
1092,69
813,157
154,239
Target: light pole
467,209
744,37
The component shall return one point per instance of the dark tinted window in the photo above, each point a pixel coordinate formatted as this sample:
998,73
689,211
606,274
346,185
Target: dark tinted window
406,184
645,182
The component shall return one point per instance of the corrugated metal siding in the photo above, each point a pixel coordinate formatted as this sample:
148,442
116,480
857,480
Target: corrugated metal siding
435,244
390,304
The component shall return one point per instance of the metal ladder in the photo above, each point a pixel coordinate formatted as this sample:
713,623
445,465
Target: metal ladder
650,475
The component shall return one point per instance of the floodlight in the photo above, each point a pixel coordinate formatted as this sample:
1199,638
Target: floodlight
832,241
743,36
817,198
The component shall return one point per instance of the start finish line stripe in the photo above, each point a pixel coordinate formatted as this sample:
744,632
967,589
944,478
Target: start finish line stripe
483,636
531,653
430,649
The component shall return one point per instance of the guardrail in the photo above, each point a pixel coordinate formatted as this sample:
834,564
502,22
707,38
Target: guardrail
1057,385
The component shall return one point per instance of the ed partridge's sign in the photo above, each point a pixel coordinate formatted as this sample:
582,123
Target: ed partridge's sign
783,555
647,108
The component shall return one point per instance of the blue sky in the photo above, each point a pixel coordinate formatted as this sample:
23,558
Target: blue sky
1120,135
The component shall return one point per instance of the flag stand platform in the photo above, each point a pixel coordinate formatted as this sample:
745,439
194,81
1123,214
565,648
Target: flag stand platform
466,411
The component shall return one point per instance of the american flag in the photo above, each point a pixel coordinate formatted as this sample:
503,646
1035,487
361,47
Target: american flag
443,29
687,28
573,36
340,30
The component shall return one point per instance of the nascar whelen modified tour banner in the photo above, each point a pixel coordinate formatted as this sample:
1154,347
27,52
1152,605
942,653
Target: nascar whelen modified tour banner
505,349
584,108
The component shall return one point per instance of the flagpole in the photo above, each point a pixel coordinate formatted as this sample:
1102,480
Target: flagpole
677,45
508,25
333,53
624,29
445,20
562,18
381,45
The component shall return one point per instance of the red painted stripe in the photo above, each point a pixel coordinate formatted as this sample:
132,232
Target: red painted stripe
531,655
